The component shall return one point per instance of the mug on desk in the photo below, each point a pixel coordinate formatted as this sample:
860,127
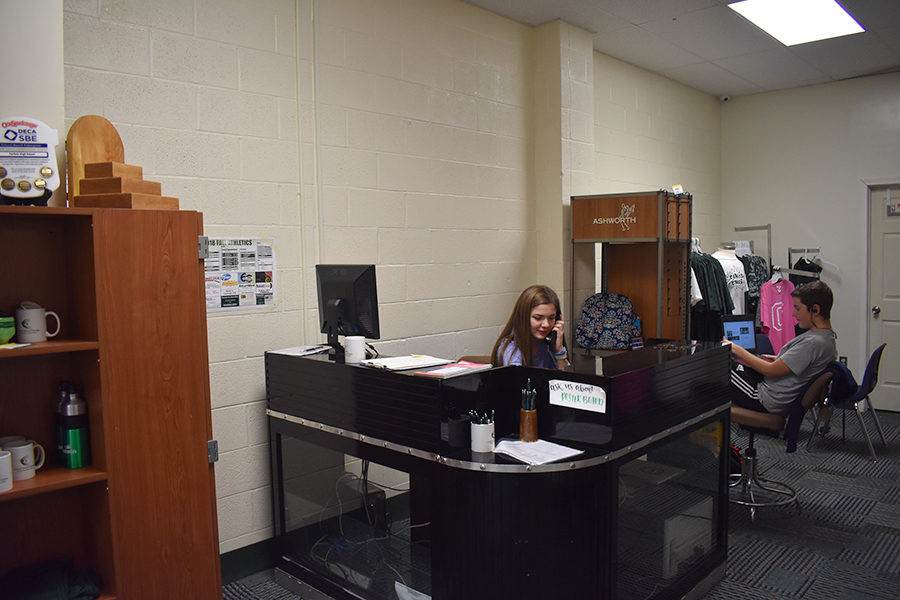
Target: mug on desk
31,323
27,456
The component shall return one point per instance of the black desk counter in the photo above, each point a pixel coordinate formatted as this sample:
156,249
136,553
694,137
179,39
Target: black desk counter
371,497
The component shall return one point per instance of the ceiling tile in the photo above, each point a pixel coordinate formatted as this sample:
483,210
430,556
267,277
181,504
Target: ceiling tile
712,79
643,49
638,12
773,69
713,33
848,56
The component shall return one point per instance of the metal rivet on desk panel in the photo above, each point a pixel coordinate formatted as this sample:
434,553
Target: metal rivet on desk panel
572,466
482,467
362,438
528,468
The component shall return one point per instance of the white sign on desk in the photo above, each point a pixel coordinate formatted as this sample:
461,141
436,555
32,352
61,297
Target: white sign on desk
582,396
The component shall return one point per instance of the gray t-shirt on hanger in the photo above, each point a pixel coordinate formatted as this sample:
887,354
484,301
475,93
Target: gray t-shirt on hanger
806,356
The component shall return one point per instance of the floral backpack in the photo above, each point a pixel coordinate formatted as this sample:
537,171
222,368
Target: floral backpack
608,322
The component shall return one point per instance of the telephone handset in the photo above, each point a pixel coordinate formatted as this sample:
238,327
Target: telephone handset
551,337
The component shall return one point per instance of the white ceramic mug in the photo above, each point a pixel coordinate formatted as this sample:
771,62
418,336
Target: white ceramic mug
482,437
27,457
354,349
6,478
31,323
10,439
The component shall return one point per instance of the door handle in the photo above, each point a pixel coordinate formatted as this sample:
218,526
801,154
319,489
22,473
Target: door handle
876,310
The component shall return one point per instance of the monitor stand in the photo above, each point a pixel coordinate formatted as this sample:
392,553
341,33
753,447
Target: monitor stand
336,353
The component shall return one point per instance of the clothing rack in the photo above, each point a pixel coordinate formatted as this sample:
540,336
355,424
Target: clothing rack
768,229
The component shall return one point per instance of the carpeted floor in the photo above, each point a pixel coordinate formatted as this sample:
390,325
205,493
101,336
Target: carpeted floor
843,544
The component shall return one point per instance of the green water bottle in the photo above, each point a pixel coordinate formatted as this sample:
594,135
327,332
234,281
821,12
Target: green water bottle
62,397
74,443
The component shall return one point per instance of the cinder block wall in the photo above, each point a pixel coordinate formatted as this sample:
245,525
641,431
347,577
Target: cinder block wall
419,115
651,133
203,94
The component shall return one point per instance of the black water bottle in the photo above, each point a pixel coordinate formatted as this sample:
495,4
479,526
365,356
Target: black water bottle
74,441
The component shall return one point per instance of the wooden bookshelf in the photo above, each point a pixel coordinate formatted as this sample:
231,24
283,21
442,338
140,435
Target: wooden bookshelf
128,286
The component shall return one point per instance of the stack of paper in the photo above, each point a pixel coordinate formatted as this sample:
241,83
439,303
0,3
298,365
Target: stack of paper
536,453
402,363
452,370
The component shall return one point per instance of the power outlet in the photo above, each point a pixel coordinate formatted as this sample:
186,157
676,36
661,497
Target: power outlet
843,360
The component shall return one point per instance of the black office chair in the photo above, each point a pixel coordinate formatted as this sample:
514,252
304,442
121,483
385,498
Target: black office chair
856,400
750,483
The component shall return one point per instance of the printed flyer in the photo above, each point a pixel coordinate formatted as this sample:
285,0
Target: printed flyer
240,274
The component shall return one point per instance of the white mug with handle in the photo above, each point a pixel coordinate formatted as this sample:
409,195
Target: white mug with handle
27,456
31,323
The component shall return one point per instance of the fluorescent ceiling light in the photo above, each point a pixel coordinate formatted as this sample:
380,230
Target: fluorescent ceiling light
794,22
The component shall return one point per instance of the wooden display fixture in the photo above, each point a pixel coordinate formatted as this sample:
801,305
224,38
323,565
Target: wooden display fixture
645,244
98,176
129,289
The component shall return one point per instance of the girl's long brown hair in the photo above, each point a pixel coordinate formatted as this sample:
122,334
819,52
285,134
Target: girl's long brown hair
518,327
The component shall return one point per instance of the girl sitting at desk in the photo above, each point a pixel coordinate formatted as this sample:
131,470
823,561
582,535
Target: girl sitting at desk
533,336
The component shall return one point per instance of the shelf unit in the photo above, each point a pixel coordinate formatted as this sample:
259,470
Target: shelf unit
640,242
129,290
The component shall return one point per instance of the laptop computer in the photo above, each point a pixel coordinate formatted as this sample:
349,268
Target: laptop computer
739,329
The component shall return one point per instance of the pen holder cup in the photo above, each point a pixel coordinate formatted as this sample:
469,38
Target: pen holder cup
458,431
528,430
482,437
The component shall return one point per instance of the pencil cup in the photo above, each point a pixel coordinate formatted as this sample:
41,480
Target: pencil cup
482,437
528,431
458,431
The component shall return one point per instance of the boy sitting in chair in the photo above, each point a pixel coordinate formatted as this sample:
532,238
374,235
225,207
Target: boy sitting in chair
771,383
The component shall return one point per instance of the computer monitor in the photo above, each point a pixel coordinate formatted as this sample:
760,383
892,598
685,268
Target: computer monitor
348,303
739,329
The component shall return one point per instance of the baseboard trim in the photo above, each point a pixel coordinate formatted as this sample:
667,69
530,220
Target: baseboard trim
247,560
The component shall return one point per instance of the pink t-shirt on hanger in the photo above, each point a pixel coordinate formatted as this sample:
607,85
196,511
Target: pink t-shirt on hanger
775,312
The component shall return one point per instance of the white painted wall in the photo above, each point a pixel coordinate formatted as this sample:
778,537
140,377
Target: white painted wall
651,133
203,94
418,121
797,159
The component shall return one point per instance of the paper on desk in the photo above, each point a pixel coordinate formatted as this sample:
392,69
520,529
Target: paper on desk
536,453
402,363
302,350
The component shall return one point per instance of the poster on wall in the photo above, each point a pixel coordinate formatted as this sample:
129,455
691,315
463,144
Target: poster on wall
240,274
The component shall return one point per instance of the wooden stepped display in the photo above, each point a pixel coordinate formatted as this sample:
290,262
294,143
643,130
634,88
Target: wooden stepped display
98,175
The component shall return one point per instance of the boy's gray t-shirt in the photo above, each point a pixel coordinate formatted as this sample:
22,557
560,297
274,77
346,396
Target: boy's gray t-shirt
806,355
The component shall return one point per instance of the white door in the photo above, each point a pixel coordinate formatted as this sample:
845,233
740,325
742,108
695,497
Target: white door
884,292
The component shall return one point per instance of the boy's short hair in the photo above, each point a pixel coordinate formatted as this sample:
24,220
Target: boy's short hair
815,292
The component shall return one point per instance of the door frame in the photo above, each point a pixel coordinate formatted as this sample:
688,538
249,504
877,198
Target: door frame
870,183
